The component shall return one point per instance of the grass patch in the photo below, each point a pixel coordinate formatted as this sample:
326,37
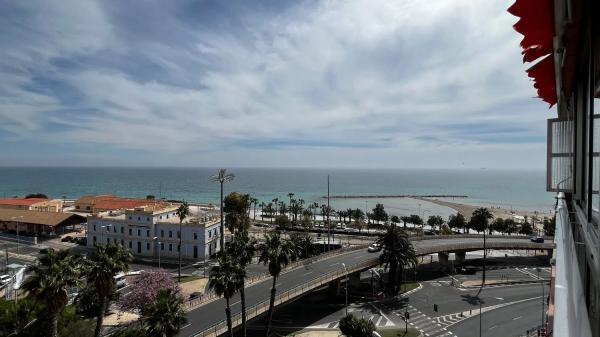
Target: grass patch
412,332
408,286
189,278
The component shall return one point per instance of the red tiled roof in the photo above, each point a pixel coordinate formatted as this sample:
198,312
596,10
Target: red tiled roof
21,202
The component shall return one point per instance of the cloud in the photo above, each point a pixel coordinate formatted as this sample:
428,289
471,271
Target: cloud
376,77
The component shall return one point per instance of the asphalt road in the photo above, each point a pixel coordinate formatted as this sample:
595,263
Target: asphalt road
212,313
509,321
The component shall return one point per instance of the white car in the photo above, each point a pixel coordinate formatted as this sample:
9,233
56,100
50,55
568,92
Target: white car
374,247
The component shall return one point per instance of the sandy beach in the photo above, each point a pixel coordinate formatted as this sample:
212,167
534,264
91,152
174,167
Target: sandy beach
498,212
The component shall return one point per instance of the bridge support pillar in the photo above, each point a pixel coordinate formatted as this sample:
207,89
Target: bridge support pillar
334,288
443,259
459,257
354,280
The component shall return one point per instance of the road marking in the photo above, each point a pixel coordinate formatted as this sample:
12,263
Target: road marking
499,298
492,327
333,264
234,303
310,272
516,318
185,326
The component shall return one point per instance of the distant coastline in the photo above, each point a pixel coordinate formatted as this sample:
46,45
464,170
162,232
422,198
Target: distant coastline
395,196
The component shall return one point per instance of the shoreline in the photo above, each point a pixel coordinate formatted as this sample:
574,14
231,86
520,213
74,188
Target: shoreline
497,212
395,196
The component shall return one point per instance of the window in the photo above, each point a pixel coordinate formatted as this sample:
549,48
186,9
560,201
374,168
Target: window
76,207
195,236
115,241
130,245
170,234
147,219
130,217
209,234
147,232
147,246
107,240
122,229
94,228
162,246
139,232
167,216
170,247
114,229
139,218
162,233
178,234
160,217
130,232
122,242
87,208
94,240
177,247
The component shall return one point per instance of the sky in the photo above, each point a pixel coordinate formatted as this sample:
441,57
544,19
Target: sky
332,83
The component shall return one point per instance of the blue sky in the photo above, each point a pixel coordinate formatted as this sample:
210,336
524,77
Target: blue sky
353,83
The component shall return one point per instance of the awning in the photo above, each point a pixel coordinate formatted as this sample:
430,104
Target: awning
536,24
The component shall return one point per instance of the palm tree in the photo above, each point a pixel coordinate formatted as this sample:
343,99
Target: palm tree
480,217
262,213
254,201
277,253
182,212
226,278
242,249
397,253
165,316
290,195
222,177
52,275
100,268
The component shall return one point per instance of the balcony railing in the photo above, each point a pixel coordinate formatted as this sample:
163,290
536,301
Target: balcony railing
570,313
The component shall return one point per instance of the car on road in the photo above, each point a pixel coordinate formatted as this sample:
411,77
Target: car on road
467,270
4,280
374,247
537,239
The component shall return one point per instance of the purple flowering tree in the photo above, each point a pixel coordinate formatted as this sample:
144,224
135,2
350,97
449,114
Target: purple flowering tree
145,288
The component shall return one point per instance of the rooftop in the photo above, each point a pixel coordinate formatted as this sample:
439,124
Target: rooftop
21,202
35,217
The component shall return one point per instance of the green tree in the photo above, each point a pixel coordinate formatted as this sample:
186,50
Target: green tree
415,220
165,316
277,253
282,222
182,212
457,222
510,225
235,206
397,253
100,268
395,219
225,279
480,219
51,277
435,221
405,219
304,244
242,249
379,213
222,177
18,318
499,225
526,229
352,326
549,226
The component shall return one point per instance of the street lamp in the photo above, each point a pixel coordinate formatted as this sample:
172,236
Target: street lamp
17,225
159,246
542,283
347,279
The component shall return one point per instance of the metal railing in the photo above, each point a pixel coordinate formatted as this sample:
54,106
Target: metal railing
261,307
211,296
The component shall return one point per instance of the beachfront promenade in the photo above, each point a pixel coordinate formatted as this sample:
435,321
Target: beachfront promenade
209,319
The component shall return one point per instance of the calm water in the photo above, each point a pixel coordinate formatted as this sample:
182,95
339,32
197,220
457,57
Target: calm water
523,190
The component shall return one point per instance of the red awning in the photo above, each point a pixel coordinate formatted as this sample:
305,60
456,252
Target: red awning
537,26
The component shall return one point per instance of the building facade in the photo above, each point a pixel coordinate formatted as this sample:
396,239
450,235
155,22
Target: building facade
562,40
32,204
147,230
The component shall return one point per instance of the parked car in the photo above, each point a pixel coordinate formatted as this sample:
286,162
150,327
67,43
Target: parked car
194,296
4,279
537,239
374,247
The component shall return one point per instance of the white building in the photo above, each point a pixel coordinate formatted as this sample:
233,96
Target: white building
137,229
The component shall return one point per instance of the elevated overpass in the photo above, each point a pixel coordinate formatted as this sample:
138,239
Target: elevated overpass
209,319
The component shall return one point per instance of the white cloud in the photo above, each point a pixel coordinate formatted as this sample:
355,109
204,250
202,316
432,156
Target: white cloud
384,74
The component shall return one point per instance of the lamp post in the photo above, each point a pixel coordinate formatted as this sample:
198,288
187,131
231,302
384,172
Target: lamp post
542,283
159,246
423,220
17,225
347,279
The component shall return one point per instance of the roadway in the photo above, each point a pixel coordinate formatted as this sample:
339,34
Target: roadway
212,313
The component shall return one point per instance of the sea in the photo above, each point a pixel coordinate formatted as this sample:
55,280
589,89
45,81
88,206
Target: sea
511,189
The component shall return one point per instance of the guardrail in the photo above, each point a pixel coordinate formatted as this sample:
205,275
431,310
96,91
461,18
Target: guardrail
189,305
470,236
257,309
